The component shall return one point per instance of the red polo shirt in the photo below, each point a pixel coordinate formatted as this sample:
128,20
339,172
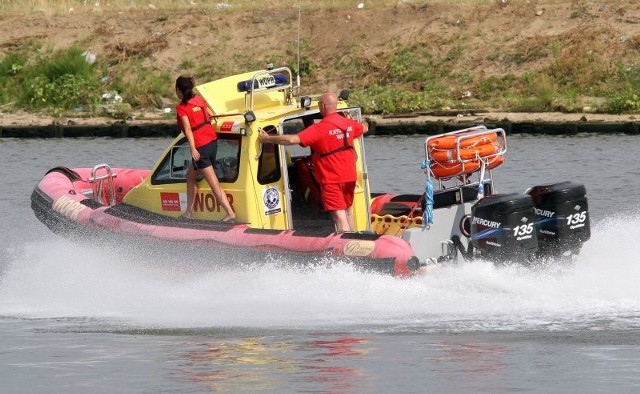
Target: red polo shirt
327,136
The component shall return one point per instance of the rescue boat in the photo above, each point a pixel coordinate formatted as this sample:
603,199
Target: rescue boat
272,189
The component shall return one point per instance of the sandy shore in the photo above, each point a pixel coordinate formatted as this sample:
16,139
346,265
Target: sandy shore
23,119
514,117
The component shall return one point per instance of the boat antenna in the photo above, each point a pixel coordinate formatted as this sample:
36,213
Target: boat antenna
298,73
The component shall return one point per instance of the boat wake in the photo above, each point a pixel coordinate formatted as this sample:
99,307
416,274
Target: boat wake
60,279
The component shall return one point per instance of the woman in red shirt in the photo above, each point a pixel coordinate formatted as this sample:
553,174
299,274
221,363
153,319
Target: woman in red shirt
193,116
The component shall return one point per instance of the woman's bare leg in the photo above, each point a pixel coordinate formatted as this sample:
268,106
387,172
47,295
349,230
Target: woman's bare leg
210,175
192,189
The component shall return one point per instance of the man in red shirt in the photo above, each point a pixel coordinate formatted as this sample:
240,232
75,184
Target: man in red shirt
333,157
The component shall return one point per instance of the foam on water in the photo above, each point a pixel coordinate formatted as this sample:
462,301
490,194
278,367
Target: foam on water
63,279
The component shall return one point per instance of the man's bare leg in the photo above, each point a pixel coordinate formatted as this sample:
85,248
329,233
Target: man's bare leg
340,220
352,225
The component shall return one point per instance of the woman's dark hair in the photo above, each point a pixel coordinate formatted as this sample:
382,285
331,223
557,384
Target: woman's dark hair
185,85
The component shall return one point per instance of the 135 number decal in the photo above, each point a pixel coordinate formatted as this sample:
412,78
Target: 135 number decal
523,229
576,218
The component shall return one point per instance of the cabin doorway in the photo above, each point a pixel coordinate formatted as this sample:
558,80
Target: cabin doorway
306,207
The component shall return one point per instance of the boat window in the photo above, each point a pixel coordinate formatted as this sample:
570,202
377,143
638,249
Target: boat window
269,164
294,126
351,113
174,165
180,160
228,157
173,168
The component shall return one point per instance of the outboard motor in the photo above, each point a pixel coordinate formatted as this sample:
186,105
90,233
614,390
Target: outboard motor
562,218
503,227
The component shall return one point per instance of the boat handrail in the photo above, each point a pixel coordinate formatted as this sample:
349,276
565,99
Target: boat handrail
479,128
256,87
98,184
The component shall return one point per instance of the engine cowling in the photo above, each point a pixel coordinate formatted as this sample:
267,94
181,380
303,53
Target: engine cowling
503,227
562,217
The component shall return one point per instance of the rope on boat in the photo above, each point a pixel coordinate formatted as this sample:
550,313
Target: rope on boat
427,215
481,184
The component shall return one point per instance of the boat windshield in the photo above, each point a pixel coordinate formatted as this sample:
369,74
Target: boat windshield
173,168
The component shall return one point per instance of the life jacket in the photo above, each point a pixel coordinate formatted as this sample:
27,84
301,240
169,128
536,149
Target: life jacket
340,149
206,120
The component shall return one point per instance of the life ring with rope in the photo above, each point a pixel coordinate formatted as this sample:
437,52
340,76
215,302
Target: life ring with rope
467,153
456,168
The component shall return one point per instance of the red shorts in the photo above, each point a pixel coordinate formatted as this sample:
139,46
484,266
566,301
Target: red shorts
337,196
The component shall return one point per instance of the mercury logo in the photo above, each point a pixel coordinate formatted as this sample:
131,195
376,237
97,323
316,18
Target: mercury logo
485,222
543,212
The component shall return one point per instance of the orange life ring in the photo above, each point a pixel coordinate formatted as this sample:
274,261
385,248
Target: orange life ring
447,170
450,141
468,153
494,162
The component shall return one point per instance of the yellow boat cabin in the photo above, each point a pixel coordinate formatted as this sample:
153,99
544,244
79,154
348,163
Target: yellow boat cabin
269,186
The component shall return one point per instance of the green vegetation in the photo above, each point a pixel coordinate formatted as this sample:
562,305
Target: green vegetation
627,98
63,81
540,73
53,81
68,80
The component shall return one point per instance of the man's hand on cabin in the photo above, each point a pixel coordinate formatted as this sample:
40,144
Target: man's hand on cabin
263,137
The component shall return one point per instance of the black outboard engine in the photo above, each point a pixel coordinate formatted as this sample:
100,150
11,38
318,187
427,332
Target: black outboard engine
503,227
562,218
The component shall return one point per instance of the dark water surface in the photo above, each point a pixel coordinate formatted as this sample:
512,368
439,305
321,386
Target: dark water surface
78,318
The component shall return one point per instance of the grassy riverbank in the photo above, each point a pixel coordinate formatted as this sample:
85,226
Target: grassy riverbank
72,57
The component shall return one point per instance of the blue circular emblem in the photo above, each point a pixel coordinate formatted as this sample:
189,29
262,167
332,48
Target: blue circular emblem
271,198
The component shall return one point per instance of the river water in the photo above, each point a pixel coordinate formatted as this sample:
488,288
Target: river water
75,318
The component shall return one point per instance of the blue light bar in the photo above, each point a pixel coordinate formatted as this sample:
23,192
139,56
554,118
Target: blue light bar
263,82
